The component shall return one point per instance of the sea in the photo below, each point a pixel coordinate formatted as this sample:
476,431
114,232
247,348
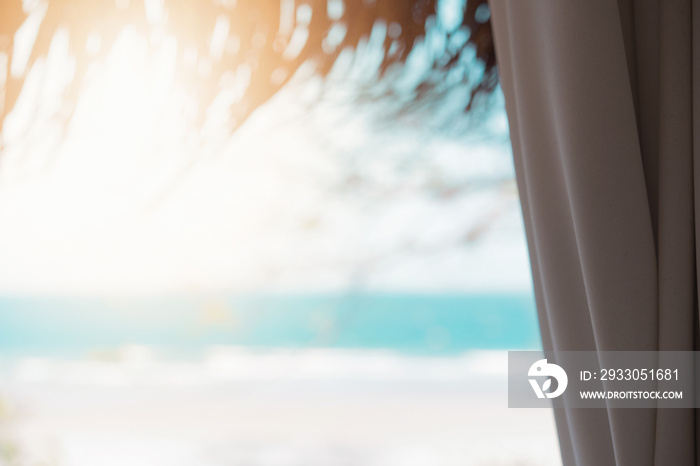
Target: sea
411,324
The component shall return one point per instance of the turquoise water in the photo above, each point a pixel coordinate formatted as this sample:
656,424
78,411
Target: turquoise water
420,324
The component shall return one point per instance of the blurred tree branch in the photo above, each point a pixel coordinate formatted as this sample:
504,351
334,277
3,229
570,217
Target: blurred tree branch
266,40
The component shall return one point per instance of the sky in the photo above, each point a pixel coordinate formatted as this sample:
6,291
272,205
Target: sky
311,194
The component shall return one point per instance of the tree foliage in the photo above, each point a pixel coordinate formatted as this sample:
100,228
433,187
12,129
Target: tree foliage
268,39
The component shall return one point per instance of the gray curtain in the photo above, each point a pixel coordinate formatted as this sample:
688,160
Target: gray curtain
603,100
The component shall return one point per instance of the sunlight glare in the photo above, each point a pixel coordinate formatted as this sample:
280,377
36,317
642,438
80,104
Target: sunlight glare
133,96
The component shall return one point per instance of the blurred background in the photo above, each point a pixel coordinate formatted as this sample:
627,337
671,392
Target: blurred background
215,253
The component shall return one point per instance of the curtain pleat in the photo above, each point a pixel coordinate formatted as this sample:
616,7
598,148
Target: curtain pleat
600,100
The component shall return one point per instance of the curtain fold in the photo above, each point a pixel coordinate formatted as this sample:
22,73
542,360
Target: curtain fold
601,98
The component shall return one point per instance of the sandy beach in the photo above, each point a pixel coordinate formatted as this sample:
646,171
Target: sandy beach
298,407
